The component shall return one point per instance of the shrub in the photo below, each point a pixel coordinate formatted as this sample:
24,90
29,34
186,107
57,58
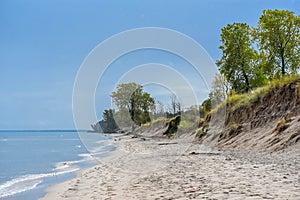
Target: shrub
200,133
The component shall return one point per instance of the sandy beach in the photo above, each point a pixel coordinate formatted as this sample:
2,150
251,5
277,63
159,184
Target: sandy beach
147,168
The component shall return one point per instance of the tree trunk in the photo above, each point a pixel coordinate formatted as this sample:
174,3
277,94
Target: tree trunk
282,66
282,62
247,81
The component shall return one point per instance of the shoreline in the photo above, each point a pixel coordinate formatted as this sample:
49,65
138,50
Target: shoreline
145,168
27,173
50,192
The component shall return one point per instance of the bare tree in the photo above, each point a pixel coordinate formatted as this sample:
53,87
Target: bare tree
220,88
176,106
160,109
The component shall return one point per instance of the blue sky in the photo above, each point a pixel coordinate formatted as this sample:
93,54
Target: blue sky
43,44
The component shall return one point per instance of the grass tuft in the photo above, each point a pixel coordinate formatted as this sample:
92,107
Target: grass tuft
237,101
186,124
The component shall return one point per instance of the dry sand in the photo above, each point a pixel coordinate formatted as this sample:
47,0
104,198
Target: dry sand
143,168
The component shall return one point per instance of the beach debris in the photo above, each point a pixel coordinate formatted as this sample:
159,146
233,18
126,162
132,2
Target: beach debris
167,143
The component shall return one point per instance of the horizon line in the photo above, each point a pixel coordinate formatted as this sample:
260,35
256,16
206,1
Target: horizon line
43,130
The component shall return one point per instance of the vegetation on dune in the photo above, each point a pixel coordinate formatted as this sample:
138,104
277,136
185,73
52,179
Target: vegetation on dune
186,125
130,97
238,60
278,39
254,61
173,126
237,101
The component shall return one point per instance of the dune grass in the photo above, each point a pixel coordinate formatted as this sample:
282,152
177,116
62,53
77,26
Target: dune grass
158,120
186,124
237,101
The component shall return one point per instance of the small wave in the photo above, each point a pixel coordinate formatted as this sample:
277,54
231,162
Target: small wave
71,164
25,187
61,166
84,155
3,140
26,182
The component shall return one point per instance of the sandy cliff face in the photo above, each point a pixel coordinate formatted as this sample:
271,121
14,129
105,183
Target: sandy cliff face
271,123
161,128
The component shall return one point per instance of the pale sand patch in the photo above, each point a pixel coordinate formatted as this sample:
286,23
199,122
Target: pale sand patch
178,169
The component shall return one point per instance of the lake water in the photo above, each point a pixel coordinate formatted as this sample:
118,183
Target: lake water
31,161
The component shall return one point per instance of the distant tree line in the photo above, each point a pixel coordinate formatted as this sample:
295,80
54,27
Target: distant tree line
135,107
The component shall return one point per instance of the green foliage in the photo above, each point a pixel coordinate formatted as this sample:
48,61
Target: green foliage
200,133
242,100
202,128
278,36
122,96
167,120
173,126
283,81
123,119
237,62
108,124
160,119
131,98
186,125
278,39
108,115
201,111
207,106
191,115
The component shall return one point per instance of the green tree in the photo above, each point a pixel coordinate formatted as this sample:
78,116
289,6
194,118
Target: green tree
278,40
238,59
108,123
123,118
132,98
206,105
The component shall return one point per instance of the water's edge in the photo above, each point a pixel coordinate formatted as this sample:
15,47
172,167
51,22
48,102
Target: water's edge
103,151
36,185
